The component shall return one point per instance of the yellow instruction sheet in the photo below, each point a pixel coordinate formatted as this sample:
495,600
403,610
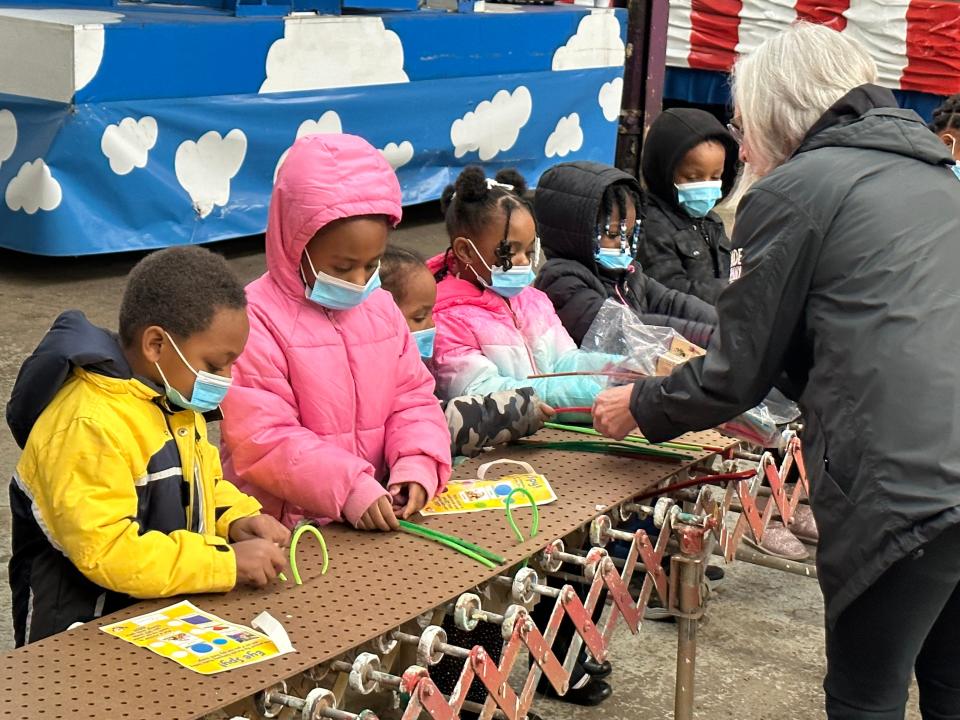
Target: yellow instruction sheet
197,640
468,497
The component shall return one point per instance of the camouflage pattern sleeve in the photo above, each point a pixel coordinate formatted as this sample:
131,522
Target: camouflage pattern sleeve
479,421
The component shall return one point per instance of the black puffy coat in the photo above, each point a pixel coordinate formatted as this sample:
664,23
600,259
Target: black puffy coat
568,203
684,253
849,287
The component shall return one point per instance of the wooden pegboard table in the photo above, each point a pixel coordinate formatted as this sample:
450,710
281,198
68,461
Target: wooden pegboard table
376,582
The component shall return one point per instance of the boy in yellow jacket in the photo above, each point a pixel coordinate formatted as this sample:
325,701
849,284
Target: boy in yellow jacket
118,494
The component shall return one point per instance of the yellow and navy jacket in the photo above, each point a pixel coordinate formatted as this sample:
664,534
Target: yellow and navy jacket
117,495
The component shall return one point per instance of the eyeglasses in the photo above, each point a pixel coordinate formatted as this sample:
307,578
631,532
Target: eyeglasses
736,132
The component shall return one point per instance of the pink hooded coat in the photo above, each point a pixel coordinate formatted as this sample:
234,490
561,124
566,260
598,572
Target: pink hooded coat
326,404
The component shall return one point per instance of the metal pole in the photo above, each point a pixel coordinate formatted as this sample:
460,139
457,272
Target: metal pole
643,78
691,577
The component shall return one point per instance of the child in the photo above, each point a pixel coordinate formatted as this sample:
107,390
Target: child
118,495
493,330
591,230
689,164
333,415
475,421
946,124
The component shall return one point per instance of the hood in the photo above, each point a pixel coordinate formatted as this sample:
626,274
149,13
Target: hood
868,118
324,178
673,134
73,341
567,204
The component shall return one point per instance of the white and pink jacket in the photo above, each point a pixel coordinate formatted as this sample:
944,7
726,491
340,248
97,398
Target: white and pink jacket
328,406
486,343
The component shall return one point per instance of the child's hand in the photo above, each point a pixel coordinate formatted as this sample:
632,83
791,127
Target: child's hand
265,527
416,498
379,516
546,412
259,561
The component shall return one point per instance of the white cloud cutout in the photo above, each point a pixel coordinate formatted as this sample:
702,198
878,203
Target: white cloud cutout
494,125
60,62
204,168
609,98
34,188
327,124
566,138
127,145
318,52
597,43
57,16
8,135
398,155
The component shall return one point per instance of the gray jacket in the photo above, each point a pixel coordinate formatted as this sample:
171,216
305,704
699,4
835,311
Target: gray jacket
850,291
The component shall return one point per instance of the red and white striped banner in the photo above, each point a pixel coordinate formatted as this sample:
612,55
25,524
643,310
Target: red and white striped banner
916,43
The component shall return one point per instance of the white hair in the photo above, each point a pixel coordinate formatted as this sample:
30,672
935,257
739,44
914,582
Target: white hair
783,87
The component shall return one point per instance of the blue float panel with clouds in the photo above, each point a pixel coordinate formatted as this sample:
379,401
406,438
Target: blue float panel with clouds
140,127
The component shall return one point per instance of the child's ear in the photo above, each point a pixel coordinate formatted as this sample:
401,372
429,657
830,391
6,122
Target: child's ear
462,250
151,343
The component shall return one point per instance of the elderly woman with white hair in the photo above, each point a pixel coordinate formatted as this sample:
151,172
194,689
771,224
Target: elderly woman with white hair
849,301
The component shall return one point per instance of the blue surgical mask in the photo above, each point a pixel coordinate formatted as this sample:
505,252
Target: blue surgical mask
506,283
208,392
699,198
613,258
956,169
424,340
336,294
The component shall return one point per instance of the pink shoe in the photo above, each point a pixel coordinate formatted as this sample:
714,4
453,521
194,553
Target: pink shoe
804,526
779,542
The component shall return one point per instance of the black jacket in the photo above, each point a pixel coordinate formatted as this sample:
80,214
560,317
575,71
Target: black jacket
851,255
691,255
568,203
684,253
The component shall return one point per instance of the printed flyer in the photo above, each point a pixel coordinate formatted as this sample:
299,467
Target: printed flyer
198,640
468,497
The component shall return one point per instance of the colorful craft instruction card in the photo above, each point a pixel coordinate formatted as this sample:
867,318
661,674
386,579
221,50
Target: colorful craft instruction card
468,497
198,640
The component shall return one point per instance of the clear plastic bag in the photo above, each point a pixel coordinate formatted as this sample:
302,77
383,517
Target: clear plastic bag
650,350
645,349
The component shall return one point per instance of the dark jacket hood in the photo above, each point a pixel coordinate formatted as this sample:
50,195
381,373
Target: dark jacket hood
673,134
567,204
868,118
72,341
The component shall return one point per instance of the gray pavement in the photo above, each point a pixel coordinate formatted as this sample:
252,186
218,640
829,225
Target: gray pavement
761,649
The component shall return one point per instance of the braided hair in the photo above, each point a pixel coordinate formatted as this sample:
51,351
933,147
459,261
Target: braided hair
947,116
470,204
616,196
397,265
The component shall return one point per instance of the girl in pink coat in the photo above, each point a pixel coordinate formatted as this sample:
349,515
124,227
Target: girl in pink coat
493,330
332,414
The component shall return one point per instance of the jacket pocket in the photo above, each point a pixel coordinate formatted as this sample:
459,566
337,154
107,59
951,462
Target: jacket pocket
692,247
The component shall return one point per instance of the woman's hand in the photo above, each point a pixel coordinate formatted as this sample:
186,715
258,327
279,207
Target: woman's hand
416,498
611,412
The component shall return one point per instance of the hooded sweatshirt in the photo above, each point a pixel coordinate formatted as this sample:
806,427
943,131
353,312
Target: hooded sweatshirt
568,205
486,343
327,407
683,252
850,288
117,495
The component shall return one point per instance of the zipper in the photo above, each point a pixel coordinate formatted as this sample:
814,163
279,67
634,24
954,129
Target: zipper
516,324
339,331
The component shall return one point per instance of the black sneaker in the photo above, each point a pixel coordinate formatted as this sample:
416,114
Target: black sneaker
590,695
